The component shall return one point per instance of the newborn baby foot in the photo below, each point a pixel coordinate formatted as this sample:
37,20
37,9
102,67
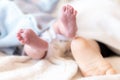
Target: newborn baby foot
34,46
88,56
67,22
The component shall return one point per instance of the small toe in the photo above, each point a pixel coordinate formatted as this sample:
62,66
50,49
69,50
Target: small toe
75,12
71,10
68,10
20,38
64,8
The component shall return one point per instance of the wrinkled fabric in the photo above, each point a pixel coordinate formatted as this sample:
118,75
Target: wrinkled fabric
11,20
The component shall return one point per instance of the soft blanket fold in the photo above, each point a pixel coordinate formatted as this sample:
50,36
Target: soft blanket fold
56,67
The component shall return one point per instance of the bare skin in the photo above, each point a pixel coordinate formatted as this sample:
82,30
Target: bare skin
87,55
34,46
66,25
85,52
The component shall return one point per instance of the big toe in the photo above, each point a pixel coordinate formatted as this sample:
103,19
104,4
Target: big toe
70,9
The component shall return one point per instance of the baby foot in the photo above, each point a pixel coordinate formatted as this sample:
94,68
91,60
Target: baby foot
34,47
28,37
67,22
23,36
89,59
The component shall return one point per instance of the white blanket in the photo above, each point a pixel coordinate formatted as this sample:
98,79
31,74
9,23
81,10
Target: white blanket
57,67
99,20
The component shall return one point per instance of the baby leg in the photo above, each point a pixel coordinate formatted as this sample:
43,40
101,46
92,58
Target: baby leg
90,61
